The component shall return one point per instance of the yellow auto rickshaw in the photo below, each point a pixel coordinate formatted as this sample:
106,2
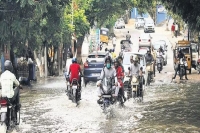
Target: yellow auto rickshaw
104,35
186,48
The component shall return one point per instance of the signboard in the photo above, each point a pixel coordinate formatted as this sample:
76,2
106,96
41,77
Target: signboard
97,36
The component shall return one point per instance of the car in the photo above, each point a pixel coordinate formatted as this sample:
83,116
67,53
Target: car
139,22
156,45
126,63
145,40
93,66
149,26
119,24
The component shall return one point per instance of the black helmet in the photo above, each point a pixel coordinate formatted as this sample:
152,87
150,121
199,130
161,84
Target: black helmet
117,62
108,59
8,65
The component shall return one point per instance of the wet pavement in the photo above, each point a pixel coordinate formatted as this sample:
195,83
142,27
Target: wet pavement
167,107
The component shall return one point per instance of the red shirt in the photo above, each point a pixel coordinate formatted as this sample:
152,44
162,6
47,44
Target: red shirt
74,71
173,28
120,75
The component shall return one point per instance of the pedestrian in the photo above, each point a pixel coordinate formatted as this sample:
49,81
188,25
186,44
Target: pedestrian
173,29
176,30
114,42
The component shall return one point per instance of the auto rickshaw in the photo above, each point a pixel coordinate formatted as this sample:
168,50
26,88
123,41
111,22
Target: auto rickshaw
104,35
186,48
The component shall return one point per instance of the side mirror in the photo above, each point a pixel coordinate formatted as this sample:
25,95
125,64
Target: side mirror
129,68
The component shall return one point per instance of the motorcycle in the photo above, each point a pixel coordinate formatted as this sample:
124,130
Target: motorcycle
198,66
150,73
159,63
10,116
73,91
107,98
135,87
182,71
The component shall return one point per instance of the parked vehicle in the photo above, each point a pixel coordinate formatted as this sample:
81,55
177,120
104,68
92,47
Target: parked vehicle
10,117
156,45
74,91
145,40
104,37
93,66
139,22
149,25
119,25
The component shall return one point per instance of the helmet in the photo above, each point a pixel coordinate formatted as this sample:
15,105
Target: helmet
108,59
120,57
8,65
111,50
74,60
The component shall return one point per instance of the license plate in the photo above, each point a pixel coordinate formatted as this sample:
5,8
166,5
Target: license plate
3,109
95,74
144,40
106,96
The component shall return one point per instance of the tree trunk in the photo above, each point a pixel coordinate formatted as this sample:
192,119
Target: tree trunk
79,48
45,61
39,63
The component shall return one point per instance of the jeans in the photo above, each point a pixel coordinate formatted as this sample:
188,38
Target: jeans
15,98
178,70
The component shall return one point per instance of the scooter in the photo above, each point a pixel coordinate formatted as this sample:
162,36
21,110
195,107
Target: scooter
73,91
159,62
9,114
182,68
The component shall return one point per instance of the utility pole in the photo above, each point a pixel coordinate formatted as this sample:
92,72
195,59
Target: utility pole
72,22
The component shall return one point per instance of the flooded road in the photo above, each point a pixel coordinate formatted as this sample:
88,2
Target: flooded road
166,108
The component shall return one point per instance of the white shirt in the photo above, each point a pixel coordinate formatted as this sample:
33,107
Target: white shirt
114,40
68,63
7,80
176,27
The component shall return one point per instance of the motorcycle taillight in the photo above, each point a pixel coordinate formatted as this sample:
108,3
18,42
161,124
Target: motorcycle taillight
3,102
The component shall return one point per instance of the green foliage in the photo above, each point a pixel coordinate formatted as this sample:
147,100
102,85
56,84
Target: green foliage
188,10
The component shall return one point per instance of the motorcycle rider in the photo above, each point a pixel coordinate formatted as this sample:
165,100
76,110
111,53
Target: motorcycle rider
120,77
134,68
179,56
68,63
74,71
107,72
114,42
149,60
160,54
7,80
161,49
120,59
113,54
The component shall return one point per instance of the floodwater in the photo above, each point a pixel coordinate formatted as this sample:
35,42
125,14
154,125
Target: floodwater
167,107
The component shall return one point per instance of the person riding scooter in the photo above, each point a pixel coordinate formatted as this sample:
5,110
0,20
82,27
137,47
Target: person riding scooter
180,56
108,72
120,77
149,60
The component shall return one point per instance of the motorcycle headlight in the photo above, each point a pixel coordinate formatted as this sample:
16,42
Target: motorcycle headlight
134,80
